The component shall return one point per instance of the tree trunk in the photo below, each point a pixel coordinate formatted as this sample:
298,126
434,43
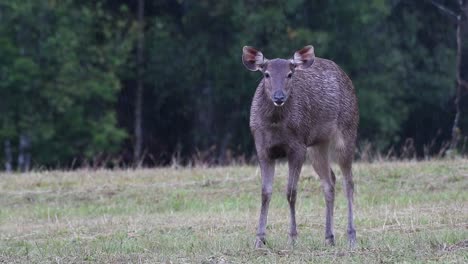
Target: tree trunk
8,156
139,90
204,125
24,156
456,132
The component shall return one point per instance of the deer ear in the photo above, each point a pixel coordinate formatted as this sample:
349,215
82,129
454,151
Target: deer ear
304,57
252,58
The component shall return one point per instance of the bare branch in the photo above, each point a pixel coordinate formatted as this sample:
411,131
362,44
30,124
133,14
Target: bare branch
446,10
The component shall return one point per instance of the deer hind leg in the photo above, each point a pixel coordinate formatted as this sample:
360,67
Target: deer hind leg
348,187
344,152
321,165
345,159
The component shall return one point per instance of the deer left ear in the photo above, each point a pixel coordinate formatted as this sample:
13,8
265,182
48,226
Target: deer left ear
304,57
252,58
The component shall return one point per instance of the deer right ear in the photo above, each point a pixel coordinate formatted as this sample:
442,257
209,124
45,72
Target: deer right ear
252,58
304,57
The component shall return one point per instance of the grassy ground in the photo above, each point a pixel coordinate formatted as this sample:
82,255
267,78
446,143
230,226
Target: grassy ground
405,212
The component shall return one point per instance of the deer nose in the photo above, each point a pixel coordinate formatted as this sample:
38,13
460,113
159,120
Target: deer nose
278,98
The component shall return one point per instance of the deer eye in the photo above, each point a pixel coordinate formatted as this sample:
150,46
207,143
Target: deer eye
267,75
290,75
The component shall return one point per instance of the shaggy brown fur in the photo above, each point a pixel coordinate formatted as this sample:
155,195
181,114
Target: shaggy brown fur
304,102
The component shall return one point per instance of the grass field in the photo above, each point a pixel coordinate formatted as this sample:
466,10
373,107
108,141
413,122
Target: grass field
405,212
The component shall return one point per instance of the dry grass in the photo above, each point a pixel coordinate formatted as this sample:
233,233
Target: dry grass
405,212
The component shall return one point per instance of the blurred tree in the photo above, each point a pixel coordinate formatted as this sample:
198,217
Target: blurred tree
139,89
59,76
398,53
72,88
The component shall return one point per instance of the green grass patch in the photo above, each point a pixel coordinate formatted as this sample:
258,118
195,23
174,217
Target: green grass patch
412,212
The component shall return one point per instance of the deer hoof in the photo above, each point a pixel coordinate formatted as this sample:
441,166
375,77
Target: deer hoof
260,243
352,239
292,239
330,241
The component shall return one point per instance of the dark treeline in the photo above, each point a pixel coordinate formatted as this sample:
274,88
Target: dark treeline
71,72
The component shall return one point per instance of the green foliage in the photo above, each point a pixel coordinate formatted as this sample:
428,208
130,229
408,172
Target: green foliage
68,71
401,57
60,63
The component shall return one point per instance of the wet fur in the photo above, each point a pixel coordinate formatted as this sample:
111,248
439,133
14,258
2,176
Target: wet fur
322,107
320,114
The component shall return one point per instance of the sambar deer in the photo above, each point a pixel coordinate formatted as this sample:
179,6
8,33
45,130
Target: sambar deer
303,102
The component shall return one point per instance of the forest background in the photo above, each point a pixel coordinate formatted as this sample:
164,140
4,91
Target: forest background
118,83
